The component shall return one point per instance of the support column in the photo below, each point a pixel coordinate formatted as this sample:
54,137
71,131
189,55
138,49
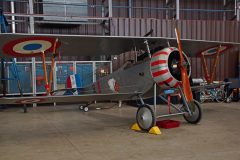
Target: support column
74,67
177,10
94,71
224,13
130,9
238,10
111,68
13,17
155,99
103,15
31,19
110,9
167,11
31,31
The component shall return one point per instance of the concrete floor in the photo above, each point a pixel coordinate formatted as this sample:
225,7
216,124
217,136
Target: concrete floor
65,133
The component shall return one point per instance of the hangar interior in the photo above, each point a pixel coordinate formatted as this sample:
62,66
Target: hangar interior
197,20
63,132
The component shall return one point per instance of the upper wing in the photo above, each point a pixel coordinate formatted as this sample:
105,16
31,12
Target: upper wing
86,45
87,98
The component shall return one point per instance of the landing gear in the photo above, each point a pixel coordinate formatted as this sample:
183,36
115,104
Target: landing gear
195,115
145,117
25,110
84,108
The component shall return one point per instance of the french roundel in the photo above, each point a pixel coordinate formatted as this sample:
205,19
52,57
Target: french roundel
213,50
30,46
29,101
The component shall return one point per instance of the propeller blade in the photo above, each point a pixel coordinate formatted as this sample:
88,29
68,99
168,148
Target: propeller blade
185,80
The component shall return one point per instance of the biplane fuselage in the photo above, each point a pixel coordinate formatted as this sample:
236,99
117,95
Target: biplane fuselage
169,68
161,68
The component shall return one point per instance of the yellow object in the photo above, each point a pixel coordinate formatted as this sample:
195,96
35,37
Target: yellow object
154,130
135,127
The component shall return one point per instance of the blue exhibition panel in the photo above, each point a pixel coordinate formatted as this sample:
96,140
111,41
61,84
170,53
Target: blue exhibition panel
24,72
85,71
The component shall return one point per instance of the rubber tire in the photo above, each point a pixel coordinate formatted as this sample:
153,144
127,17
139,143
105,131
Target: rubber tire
199,116
81,107
152,114
85,109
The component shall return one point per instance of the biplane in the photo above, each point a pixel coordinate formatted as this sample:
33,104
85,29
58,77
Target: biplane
155,72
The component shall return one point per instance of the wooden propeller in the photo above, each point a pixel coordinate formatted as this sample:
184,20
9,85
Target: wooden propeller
185,80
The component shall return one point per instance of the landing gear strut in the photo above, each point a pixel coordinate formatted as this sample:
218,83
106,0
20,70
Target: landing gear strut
146,116
25,108
84,108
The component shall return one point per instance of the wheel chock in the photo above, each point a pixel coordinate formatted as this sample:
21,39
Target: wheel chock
154,130
135,127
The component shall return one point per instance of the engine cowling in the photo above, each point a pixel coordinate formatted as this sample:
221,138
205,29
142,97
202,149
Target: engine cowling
165,68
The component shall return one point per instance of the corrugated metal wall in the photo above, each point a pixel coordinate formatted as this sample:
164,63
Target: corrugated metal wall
141,9
190,29
161,10
207,5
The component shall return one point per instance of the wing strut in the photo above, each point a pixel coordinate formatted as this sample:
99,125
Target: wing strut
54,54
214,66
45,72
209,77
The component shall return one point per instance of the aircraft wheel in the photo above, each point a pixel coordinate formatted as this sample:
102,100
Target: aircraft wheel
81,107
85,109
196,115
145,117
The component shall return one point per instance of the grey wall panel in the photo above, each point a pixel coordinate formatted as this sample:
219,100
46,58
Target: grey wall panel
84,29
191,29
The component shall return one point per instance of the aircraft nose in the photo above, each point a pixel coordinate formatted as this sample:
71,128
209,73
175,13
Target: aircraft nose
165,69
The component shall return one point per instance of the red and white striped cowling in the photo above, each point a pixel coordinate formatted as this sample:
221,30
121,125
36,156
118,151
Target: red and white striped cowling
159,67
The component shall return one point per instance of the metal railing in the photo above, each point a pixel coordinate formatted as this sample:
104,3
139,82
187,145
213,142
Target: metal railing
104,11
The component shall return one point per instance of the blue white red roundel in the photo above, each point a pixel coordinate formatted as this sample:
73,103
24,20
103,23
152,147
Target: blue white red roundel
30,47
30,101
213,50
